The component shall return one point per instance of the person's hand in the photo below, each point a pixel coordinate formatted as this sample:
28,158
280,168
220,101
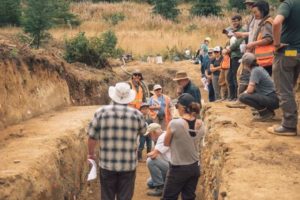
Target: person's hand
153,154
279,46
238,34
250,46
93,156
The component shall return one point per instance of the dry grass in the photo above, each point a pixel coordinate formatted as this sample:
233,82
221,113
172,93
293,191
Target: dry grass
143,33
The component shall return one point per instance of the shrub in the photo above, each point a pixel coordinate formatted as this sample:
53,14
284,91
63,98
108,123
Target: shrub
166,8
94,51
114,18
205,8
236,4
10,12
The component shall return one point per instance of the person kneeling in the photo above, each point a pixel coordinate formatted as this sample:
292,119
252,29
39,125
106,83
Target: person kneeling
260,93
158,160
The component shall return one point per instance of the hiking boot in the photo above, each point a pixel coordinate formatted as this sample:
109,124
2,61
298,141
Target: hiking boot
282,131
157,192
263,118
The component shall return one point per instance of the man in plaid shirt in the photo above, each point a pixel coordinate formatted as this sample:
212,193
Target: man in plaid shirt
117,127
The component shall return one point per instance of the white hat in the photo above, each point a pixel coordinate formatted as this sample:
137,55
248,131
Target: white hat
208,39
217,48
121,93
152,127
156,87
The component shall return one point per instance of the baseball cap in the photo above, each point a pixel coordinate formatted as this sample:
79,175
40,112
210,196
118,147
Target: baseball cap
144,105
156,87
217,48
210,50
248,58
185,99
208,39
152,127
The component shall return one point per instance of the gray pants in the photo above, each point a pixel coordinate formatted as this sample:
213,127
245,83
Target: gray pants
259,101
285,75
216,86
117,185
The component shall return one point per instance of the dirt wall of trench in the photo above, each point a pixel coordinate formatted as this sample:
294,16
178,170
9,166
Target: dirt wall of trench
29,86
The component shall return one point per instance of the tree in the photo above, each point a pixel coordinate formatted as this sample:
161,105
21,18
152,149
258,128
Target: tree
38,18
237,4
10,12
206,7
166,8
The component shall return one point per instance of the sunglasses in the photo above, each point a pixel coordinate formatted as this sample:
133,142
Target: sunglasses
137,74
216,51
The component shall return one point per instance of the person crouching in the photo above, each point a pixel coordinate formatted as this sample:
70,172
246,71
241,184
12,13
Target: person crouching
158,160
260,93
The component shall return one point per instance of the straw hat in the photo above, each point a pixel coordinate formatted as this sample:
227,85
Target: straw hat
181,75
121,93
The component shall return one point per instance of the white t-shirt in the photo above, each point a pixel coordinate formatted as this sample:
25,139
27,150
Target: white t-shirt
165,152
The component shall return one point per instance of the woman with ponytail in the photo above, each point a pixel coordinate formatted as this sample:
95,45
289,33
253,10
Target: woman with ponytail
183,136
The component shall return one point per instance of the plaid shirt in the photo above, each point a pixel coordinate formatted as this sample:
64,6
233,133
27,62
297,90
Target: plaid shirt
117,127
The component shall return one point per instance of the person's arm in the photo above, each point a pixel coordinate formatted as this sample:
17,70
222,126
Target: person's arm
212,68
241,34
168,137
277,26
94,135
250,88
91,148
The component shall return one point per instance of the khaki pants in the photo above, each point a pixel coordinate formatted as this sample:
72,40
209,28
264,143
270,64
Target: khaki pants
223,83
285,74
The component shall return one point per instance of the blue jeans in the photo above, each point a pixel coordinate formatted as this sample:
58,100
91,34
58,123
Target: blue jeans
143,140
232,79
158,170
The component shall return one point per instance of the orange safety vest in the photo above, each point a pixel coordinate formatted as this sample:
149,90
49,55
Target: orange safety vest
168,115
264,54
226,62
137,102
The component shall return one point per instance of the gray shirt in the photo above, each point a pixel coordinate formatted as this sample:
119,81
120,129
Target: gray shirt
263,82
184,148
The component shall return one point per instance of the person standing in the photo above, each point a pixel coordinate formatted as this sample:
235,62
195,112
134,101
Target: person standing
117,127
185,85
136,84
286,66
144,139
260,93
160,107
262,44
206,62
223,83
235,56
183,137
158,160
215,68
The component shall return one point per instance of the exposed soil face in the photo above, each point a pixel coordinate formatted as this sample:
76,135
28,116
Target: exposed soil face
29,86
33,82
242,160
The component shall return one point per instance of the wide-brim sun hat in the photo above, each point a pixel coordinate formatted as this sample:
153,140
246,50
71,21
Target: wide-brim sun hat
181,75
121,93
